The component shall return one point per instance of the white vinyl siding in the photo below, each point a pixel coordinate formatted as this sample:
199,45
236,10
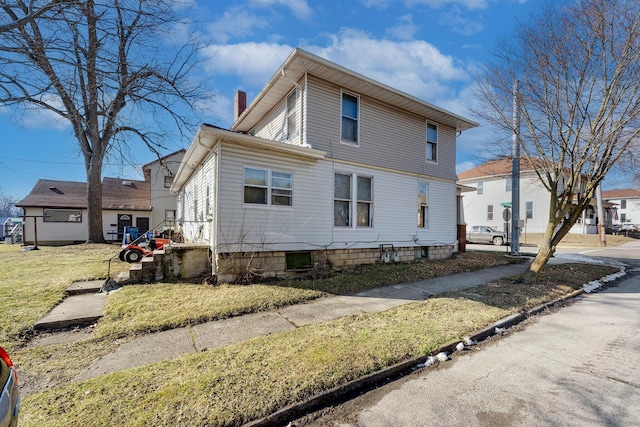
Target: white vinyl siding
310,223
388,137
494,193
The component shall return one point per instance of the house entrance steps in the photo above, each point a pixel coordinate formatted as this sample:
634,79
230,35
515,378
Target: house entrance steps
82,306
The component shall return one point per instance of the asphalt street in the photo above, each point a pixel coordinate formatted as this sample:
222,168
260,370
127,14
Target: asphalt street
578,366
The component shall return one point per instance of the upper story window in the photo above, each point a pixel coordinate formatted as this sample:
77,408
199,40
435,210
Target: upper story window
508,184
623,204
423,205
292,114
432,142
480,187
268,187
350,112
489,212
168,180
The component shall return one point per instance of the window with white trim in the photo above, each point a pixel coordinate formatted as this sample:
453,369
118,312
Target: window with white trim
349,124
423,205
508,184
292,114
344,193
489,212
268,187
480,187
528,207
432,142
62,215
623,204
365,202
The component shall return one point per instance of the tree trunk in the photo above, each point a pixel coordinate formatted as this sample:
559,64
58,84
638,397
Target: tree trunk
546,251
94,202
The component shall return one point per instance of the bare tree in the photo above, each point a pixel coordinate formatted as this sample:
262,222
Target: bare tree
32,10
110,68
7,206
578,64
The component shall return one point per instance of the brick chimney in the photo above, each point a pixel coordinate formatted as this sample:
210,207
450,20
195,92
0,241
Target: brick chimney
239,104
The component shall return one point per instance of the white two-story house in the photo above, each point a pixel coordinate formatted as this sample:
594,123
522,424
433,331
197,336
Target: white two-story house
627,201
493,183
324,167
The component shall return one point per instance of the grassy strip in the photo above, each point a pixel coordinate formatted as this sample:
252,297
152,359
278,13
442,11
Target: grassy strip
144,309
241,382
33,282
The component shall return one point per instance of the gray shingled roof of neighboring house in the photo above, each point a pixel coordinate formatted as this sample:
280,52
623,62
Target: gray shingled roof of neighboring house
117,194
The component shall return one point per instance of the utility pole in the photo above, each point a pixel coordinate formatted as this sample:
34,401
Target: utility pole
515,174
601,219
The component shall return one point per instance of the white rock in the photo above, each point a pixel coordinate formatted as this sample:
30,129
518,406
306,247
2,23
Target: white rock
442,357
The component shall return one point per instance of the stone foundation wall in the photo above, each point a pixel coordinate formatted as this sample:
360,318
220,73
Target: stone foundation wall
243,266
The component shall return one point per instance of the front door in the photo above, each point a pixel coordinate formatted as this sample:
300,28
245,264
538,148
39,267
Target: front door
142,224
124,220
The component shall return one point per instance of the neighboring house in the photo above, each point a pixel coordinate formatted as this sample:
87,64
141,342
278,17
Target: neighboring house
57,210
325,166
493,192
160,174
628,205
12,230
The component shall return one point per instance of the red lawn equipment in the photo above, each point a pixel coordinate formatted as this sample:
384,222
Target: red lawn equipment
135,248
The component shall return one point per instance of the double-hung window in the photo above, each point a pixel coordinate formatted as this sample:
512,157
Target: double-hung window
292,114
508,184
528,206
432,142
268,187
344,194
365,202
349,127
489,212
480,187
423,205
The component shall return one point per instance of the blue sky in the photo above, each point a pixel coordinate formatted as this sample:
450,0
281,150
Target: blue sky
428,48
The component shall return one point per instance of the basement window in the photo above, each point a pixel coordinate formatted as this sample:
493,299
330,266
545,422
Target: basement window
298,260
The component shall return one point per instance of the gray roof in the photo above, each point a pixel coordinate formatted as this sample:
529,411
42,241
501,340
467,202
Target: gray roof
301,62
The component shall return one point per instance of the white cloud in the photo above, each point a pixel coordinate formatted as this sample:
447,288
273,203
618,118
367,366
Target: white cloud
415,67
252,63
299,8
468,26
33,117
236,23
404,29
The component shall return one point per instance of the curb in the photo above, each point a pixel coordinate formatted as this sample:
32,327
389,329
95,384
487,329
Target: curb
345,392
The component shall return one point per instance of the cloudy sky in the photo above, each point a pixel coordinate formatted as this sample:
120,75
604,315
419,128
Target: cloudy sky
427,48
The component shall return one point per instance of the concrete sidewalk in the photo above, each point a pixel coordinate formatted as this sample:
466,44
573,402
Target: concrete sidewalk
176,342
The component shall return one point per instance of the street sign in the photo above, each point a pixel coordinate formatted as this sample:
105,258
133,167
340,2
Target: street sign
506,215
505,204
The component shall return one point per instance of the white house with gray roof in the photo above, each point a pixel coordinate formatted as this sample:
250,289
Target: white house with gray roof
325,166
